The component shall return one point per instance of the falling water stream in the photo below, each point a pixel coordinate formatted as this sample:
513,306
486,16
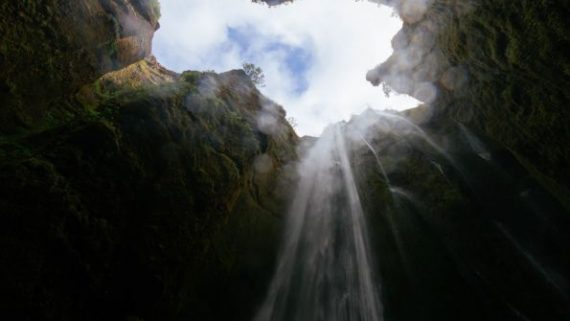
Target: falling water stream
324,271
395,192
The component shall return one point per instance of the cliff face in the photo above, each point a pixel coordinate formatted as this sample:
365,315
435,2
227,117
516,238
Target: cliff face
154,205
500,68
486,225
133,194
129,192
50,48
461,229
469,209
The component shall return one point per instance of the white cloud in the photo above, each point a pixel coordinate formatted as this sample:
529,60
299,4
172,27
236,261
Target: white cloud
344,39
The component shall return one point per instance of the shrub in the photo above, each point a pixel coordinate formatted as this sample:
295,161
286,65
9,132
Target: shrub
254,73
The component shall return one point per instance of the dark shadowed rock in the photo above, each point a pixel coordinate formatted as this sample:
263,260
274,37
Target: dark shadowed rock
498,67
61,46
130,192
162,201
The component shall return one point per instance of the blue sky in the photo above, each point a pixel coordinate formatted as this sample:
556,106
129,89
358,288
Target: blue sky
296,59
315,53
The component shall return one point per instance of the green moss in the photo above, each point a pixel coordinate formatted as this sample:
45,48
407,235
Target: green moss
191,77
514,52
561,193
155,8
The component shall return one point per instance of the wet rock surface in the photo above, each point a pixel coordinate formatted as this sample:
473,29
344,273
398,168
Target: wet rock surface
49,49
461,229
129,192
147,206
500,68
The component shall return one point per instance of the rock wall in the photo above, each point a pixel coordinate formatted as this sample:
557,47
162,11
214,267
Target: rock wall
135,194
500,68
142,194
461,230
487,231
50,48
158,203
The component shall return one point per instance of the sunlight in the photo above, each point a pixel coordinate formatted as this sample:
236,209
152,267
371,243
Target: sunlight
315,53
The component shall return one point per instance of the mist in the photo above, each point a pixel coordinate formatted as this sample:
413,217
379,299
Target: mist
314,57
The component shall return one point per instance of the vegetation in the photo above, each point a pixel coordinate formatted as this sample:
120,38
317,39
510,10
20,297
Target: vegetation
155,8
152,188
386,89
292,121
137,198
254,73
517,80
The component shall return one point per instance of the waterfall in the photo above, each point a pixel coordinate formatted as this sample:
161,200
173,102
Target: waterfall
324,271
476,144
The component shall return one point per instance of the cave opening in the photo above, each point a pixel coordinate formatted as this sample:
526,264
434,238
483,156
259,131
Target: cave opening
132,192
314,54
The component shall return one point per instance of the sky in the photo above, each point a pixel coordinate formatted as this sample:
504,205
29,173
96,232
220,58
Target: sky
314,53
